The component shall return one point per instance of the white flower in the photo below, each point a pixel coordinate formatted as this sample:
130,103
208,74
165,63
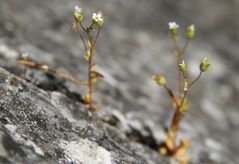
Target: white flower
78,14
78,10
98,18
173,25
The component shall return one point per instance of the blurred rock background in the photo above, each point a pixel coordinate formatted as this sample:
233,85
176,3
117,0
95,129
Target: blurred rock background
133,46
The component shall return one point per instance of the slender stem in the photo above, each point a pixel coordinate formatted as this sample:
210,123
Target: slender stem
91,25
177,117
179,72
184,75
180,53
175,122
173,97
195,80
175,43
185,46
83,27
82,38
70,78
90,60
183,99
90,87
97,36
179,77
176,47
83,41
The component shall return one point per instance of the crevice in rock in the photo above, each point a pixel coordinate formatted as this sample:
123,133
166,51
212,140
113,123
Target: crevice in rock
11,146
148,140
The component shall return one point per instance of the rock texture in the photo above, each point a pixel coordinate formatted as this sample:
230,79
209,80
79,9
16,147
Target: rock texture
42,119
37,126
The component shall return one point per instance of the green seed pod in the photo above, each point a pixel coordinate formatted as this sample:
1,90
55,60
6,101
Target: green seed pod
159,79
183,66
185,84
190,32
205,64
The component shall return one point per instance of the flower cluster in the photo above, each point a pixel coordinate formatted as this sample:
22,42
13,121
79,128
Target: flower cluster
97,18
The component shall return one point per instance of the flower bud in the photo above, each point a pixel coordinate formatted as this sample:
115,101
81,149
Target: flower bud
190,32
185,84
183,66
78,14
159,79
184,105
25,56
205,64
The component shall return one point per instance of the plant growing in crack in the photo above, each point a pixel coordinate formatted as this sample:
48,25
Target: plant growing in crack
180,101
89,35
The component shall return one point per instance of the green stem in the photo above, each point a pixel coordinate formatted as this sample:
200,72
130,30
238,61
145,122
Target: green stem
96,38
83,27
183,99
90,86
195,80
185,47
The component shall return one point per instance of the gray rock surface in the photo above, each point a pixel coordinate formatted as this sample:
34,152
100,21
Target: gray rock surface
42,119
37,126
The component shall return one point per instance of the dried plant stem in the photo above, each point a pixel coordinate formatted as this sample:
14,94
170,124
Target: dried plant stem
32,64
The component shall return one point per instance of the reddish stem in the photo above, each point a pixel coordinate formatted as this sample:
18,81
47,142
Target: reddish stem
173,97
90,86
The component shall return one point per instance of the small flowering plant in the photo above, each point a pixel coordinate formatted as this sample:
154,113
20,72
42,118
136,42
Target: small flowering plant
89,35
179,100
